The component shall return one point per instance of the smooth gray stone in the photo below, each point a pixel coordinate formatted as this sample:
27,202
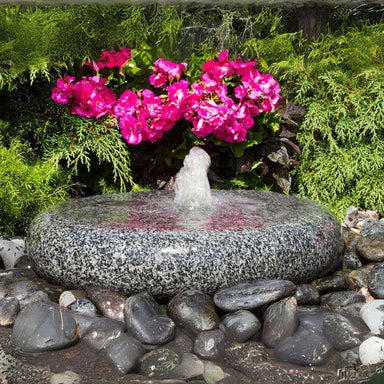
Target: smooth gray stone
253,295
110,303
333,283
217,373
84,306
98,332
280,321
312,318
190,367
159,364
9,309
137,242
147,321
344,332
350,357
240,326
305,347
3,289
38,296
337,300
181,344
17,273
352,309
376,282
194,311
307,294
371,242
43,327
210,345
125,353
67,377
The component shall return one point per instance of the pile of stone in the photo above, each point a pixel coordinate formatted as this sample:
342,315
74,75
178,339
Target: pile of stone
266,329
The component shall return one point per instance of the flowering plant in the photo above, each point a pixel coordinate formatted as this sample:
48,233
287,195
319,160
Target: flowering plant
222,104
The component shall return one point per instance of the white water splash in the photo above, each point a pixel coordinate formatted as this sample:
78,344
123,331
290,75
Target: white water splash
192,185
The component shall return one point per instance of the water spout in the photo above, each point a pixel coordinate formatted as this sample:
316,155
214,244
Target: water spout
192,185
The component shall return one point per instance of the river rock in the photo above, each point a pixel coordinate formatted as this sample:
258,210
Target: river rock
215,373
351,216
125,353
193,310
210,345
68,297
305,347
98,332
307,294
253,295
344,332
83,306
9,308
181,343
274,329
376,282
109,303
373,315
359,278
371,242
352,309
312,318
42,327
350,357
333,283
240,326
190,367
371,351
147,321
67,377
10,252
337,300
159,364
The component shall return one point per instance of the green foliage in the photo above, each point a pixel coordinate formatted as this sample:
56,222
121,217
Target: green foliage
86,143
26,187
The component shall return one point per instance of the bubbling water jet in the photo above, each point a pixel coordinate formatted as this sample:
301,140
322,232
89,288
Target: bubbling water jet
192,186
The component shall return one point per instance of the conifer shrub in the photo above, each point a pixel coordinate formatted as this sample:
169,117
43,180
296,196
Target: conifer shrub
27,186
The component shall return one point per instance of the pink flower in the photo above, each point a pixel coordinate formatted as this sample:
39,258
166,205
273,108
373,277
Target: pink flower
133,130
111,59
91,98
241,67
63,91
218,70
166,70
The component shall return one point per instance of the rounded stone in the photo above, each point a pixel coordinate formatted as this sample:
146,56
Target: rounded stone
9,308
307,294
147,321
67,377
276,330
371,351
194,311
140,241
240,326
344,332
44,327
253,295
376,281
210,345
305,347
373,315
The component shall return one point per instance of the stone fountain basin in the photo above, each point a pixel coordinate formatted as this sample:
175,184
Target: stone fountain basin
140,241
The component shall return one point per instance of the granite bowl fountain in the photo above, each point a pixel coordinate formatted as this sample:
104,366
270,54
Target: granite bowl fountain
163,243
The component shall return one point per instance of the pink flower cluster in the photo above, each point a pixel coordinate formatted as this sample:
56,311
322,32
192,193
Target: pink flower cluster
111,59
88,97
207,104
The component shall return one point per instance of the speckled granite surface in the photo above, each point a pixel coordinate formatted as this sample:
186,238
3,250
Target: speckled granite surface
140,242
